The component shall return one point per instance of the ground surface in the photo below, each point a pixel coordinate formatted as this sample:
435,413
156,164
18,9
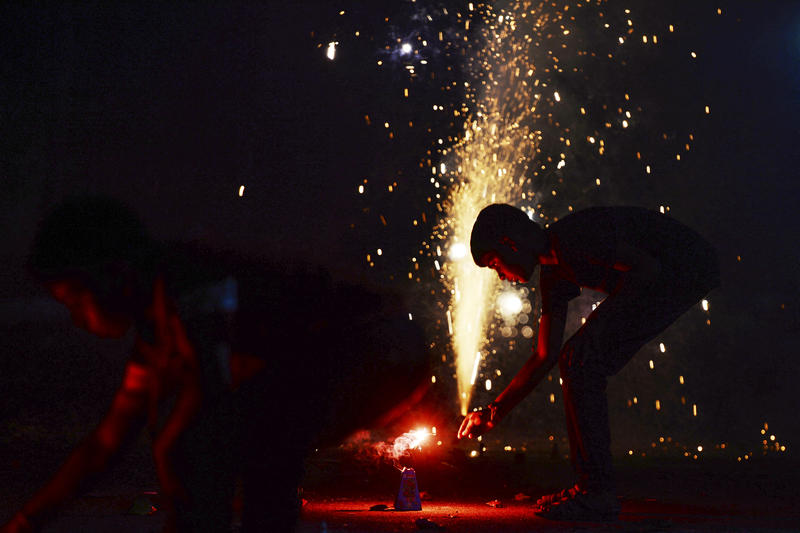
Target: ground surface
463,516
657,495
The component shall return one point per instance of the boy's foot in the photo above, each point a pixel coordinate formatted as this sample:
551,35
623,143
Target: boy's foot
582,507
550,499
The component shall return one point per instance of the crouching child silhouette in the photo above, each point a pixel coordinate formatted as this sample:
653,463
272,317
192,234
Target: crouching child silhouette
652,268
238,367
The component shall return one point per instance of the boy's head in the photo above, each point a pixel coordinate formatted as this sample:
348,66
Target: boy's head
91,253
507,241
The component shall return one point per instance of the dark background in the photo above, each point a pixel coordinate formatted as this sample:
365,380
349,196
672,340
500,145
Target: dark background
172,107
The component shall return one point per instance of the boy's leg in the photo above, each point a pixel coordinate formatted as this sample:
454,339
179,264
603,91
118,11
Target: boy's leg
608,340
586,408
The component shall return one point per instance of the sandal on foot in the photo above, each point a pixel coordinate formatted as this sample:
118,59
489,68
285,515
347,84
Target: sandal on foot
583,507
550,499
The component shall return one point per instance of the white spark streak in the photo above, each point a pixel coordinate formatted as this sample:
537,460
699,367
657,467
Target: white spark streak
475,368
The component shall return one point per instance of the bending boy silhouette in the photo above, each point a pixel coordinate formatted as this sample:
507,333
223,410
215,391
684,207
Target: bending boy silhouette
653,269
260,363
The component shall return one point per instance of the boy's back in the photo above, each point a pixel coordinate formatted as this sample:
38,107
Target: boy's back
587,242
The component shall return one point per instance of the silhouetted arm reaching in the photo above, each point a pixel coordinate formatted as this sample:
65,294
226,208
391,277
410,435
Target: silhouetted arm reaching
544,357
127,410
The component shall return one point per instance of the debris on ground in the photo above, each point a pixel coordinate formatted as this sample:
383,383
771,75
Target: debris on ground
521,497
495,503
424,523
379,507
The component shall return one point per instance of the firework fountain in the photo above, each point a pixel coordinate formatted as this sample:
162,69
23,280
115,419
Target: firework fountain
489,165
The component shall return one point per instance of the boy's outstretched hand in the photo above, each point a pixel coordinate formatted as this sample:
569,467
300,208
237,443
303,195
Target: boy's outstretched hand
476,424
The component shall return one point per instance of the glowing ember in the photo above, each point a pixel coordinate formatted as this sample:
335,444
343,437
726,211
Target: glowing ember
331,52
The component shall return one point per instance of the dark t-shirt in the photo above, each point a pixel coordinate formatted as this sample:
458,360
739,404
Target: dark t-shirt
586,245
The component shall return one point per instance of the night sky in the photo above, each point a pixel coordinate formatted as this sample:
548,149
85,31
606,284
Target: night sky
173,108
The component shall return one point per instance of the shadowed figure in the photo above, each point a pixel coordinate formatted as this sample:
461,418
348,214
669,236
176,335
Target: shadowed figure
239,368
652,268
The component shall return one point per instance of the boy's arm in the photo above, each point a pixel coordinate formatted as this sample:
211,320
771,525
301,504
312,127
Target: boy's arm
127,408
545,355
187,404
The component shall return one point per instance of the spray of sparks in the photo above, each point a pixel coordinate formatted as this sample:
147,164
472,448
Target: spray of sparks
491,164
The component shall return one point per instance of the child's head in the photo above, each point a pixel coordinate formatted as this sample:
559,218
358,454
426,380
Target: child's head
94,255
507,241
